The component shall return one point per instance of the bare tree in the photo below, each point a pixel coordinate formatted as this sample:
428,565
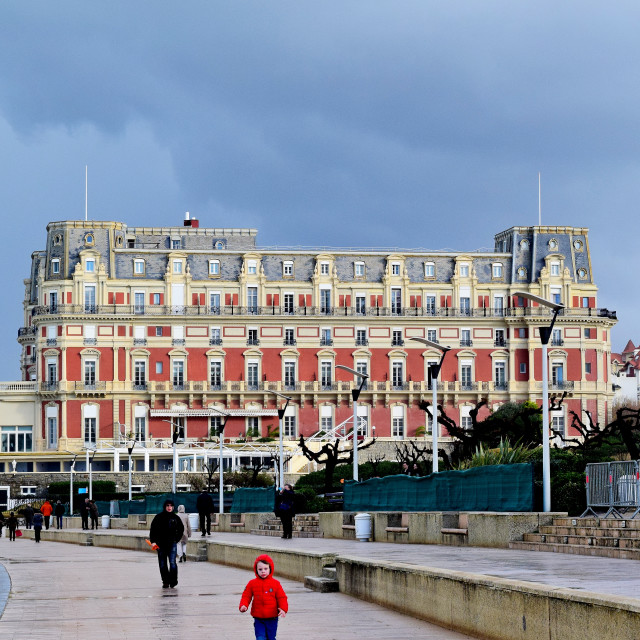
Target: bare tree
331,456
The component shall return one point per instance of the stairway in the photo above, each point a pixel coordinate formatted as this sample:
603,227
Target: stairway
304,526
611,538
326,583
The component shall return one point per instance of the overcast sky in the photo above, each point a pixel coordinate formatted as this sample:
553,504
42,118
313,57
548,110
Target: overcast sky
364,123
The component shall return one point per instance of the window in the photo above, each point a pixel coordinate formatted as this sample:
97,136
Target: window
523,367
396,338
587,367
430,305
554,268
289,338
289,427
158,331
522,273
215,374
395,268
498,305
361,337
465,418
585,303
465,338
325,301
464,270
557,373
178,374
396,301
252,300
138,267
287,269
252,375
362,366
325,337
429,270
176,243
215,424
53,301
138,302
324,268
496,271
397,422
17,439
252,337
465,306
214,267
253,427
155,298
556,338
290,374
179,427
432,335
359,269
214,302
28,490
215,338
159,367
397,374
89,298
499,341
326,418
326,377
252,267
553,244
219,245
557,423
524,244
287,299
52,427
361,307
140,424
140,375
588,334
522,333
89,374
363,420
90,266
55,266
177,266
90,425
466,376
500,375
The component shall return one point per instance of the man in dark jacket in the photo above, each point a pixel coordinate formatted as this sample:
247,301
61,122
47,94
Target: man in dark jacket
204,505
166,531
83,508
285,510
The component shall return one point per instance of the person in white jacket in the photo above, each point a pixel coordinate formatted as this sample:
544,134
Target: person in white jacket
182,545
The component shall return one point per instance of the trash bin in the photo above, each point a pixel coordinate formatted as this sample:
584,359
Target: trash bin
194,521
105,522
363,527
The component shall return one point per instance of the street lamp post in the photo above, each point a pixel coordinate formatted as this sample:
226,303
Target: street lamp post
73,464
220,468
435,372
281,413
545,334
355,394
130,450
89,466
174,440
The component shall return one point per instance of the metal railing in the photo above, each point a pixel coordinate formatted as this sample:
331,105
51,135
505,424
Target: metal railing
614,486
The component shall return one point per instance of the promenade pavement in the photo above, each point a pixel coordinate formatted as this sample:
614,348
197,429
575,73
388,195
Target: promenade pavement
71,592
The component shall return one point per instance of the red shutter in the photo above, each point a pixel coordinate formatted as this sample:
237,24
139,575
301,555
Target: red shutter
151,331
443,301
69,298
119,297
194,299
480,302
45,299
269,300
128,298
151,298
202,299
122,330
276,299
348,300
44,332
380,301
301,300
373,301
166,332
235,299
162,298
341,298
308,299
448,301
592,303
227,299
486,302
59,329
576,301
412,301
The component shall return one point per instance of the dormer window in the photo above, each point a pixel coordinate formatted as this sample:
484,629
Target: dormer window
324,268
524,244
554,268
429,270
55,266
138,267
359,269
177,266
252,267
176,243
464,270
90,266
219,245
497,271
287,269
395,268
553,244
214,267
89,239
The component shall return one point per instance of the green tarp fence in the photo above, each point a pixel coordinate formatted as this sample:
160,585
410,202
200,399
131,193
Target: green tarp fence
257,500
493,488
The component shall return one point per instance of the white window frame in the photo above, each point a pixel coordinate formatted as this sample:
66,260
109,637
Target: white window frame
358,269
214,268
324,268
430,270
177,266
287,269
497,271
464,269
398,422
138,267
55,266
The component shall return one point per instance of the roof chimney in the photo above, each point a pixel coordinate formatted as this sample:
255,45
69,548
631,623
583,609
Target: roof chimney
187,222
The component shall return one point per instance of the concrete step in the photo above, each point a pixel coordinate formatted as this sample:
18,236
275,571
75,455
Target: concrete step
589,541
600,523
330,572
590,532
296,534
321,584
583,550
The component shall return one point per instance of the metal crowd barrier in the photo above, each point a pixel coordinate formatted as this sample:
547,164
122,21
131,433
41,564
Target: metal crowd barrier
614,486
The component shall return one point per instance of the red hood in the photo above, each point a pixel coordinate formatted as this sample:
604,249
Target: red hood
263,558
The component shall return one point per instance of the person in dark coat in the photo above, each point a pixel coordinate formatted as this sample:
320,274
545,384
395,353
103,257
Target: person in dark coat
59,512
285,510
94,513
12,525
38,521
204,505
84,513
166,531
27,512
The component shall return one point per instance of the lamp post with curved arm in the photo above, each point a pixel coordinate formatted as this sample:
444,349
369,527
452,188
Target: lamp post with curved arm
281,413
220,469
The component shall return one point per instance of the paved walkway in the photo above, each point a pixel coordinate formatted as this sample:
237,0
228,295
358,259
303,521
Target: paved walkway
65,591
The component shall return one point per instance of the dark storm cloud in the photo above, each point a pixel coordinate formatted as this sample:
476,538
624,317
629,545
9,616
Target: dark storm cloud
367,123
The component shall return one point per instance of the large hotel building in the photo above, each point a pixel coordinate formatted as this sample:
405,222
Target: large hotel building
131,332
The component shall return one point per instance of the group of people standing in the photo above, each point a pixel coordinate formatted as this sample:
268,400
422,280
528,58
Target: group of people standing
33,519
89,509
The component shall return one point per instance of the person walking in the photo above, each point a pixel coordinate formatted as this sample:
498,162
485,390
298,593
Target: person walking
59,512
27,512
12,525
84,514
46,510
164,535
204,505
267,599
94,513
182,545
38,520
285,510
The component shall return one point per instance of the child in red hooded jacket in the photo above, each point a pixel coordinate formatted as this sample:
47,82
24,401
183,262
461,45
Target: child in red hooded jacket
267,598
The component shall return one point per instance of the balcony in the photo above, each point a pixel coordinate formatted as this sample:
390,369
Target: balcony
501,385
500,343
49,386
466,342
468,386
362,342
139,342
26,332
397,342
253,342
562,385
90,341
289,342
326,342
178,342
87,388
557,342
52,342
139,385
215,342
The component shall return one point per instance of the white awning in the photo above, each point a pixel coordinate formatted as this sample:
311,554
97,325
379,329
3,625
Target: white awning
195,413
